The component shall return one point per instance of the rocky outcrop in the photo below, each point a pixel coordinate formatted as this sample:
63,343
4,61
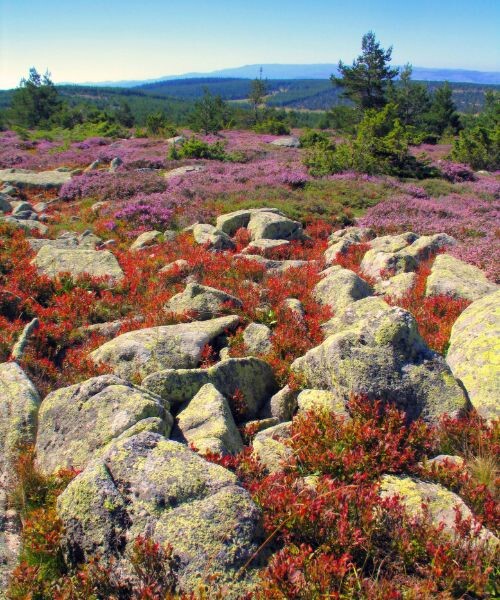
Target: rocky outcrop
269,447
207,423
250,377
76,423
23,178
144,351
231,222
146,239
180,171
340,288
396,287
51,261
474,353
377,352
340,241
202,302
320,400
207,235
287,142
281,405
457,279
257,338
272,226
147,485
441,503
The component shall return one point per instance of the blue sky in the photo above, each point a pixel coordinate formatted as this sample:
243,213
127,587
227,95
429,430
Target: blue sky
95,40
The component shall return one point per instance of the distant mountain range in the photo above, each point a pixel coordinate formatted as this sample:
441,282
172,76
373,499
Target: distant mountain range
314,71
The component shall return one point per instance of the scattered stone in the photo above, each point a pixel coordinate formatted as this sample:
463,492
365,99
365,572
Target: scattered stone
145,351
207,423
146,239
52,261
396,287
176,270
295,306
5,204
9,190
282,405
452,277
37,243
474,353
272,226
169,235
23,178
115,164
18,207
356,235
147,485
177,140
88,240
180,171
340,288
249,377
208,235
257,338
41,207
202,302
427,245
76,423
393,243
287,142
231,222
335,251
383,357
269,448
442,459
20,346
27,225
93,166
320,400
441,503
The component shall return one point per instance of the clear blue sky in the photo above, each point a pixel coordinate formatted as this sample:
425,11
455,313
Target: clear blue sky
95,40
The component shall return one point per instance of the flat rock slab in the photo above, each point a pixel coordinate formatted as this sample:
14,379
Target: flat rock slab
145,351
180,171
51,261
202,301
474,353
44,179
286,142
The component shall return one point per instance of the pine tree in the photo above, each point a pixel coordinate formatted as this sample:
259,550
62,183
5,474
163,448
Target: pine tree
258,90
366,81
36,101
443,114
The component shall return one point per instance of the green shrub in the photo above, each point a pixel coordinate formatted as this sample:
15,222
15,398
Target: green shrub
478,147
195,148
157,124
272,126
311,138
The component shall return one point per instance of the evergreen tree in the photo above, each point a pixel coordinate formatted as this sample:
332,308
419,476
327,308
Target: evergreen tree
366,81
36,101
412,99
442,115
124,115
258,91
210,113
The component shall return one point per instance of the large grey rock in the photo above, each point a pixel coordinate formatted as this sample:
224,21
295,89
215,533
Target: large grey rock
52,261
383,357
145,351
270,448
281,405
250,376
474,353
367,308
207,235
181,171
19,403
356,235
37,243
393,243
176,270
231,222
287,142
202,302
441,503
320,400
5,203
76,423
452,277
146,239
340,288
23,178
427,245
396,287
147,485
257,338
115,164
27,224
273,226
208,424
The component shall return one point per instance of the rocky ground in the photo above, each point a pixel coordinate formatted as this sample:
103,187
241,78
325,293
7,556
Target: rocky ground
143,361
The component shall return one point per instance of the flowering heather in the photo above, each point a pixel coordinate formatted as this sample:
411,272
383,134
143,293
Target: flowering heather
472,221
102,185
147,211
455,172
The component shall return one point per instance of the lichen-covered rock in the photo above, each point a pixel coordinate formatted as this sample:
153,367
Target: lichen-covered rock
356,235
287,142
202,302
452,277
441,503
281,405
37,243
207,235
378,263
474,353
27,224
396,287
19,403
383,357
22,178
320,400
177,269
273,226
427,245
231,222
340,288
147,485
145,351
250,376
185,170
393,243
335,251
77,422
367,308
146,239
52,261
257,338
207,423
269,448
295,306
